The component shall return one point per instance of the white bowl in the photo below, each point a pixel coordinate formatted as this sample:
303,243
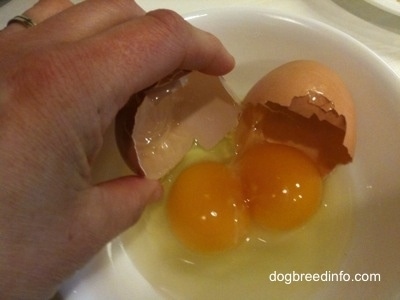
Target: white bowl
260,41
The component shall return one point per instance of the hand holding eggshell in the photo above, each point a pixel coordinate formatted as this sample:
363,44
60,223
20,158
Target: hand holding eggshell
61,87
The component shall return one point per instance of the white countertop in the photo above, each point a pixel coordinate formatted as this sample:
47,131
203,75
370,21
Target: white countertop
376,28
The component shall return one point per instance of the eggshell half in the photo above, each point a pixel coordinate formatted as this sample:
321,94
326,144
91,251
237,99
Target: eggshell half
311,90
158,127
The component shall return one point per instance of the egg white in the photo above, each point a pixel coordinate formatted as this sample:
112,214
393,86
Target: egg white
245,272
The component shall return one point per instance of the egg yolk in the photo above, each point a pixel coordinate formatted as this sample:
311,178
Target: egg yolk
282,185
206,207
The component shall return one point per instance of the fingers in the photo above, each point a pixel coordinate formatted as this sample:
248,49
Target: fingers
41,11
109,67
138,53
112,207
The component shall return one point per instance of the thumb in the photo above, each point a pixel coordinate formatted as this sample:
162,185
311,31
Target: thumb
99,214
113,206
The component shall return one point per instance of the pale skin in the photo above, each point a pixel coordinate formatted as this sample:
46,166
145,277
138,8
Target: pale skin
61,84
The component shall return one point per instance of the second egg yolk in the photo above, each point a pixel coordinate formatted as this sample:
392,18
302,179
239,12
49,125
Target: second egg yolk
206,207
282,185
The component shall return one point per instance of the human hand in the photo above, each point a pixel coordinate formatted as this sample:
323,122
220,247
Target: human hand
61,84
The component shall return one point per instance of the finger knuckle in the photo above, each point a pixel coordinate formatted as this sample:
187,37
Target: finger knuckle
170,24
127,6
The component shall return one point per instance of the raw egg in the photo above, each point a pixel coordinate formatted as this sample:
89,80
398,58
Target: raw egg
246,182
243,270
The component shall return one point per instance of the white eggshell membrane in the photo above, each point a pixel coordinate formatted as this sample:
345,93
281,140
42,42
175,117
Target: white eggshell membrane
197,108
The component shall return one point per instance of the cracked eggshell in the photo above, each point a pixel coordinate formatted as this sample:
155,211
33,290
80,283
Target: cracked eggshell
158,127
310,89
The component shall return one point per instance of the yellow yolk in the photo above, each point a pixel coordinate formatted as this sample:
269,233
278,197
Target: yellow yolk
206,208
282,185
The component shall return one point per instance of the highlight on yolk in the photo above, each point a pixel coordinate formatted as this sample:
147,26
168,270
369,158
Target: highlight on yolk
282,185
206,208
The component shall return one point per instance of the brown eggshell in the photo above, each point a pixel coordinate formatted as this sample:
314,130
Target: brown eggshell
313,91
159,126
